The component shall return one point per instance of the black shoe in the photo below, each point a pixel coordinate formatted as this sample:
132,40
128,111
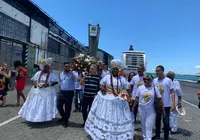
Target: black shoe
65,124
172,132
89,137
83,125
76,110
61,120
156,138
1,98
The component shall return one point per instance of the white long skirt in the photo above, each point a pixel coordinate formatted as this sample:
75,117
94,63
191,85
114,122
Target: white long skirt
40,105
110,119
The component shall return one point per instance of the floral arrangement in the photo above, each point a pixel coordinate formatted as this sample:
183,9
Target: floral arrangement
100,64
82,62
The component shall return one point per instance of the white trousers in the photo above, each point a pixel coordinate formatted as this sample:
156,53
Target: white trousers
147,116
174,121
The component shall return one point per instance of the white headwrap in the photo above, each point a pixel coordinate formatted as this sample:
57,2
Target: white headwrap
117,63
43,62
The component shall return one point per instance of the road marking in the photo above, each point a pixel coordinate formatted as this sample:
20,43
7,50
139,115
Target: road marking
8,121
190,103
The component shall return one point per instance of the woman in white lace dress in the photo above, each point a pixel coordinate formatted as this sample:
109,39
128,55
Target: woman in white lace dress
110,117
40,105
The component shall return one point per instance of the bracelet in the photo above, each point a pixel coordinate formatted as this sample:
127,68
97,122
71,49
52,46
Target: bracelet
50,84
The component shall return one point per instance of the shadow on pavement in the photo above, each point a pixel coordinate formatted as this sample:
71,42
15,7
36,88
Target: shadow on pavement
42,125
10,105
184,132
75,125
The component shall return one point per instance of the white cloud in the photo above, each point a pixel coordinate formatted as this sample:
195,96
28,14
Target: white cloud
197,66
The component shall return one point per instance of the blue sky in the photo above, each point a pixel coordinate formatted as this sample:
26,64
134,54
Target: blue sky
167,30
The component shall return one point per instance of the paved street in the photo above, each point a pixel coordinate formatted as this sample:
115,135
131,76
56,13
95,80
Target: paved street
18,129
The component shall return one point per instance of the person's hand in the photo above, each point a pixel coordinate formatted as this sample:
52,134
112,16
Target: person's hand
41,85
179,105
46,85
172,107
108,89
35,85
71,71
20,73
163,112
86,73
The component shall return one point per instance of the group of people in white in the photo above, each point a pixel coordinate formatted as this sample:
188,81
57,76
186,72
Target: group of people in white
105,101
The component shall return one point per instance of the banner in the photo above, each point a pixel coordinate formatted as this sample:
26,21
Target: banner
93,30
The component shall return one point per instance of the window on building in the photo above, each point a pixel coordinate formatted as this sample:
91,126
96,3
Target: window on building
13,29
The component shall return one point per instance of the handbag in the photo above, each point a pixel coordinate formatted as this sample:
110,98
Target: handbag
157,105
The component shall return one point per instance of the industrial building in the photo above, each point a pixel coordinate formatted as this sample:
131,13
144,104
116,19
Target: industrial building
28,34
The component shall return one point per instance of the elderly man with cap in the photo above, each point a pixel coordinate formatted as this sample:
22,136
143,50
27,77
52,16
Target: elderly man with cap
110,117
178,95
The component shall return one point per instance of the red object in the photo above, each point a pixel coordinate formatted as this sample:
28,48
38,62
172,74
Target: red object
198,92
20,84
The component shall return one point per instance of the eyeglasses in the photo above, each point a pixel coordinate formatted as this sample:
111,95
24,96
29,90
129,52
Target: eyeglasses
158,70
147,79
67,66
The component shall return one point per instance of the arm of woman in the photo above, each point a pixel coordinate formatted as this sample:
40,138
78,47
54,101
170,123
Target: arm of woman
82,82
7,75
161,102
54,80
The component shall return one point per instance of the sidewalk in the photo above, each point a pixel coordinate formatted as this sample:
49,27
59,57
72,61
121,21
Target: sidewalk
11,109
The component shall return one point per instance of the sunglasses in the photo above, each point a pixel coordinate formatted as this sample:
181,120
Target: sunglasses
158,70
147,79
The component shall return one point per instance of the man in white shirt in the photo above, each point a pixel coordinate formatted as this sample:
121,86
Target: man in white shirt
78,94
178,95
136,82
166,89
66,94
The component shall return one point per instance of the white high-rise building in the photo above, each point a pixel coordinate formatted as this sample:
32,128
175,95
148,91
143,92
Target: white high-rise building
132,59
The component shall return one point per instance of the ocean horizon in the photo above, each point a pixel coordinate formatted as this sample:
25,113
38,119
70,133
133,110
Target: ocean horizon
184,77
